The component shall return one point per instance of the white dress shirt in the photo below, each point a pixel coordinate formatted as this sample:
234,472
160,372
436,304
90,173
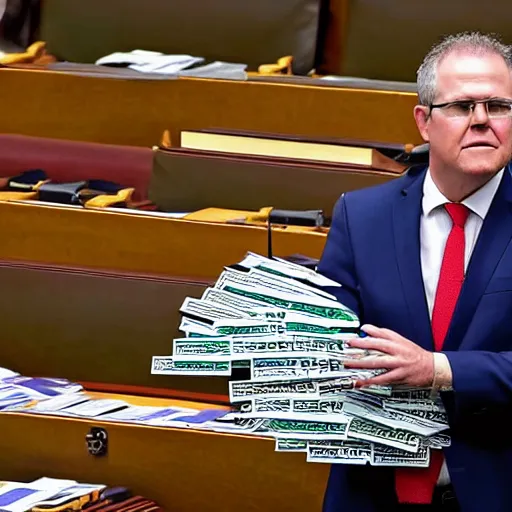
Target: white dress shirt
435,226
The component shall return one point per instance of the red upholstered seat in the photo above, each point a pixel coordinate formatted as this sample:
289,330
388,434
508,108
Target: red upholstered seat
66,161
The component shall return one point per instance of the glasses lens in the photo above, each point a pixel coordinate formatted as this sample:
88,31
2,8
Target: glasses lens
459,109
497,108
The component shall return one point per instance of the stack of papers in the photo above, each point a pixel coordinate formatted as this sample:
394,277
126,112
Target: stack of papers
156,63
276,319
218,69
60,397
44,492
18,391
149,62
82,405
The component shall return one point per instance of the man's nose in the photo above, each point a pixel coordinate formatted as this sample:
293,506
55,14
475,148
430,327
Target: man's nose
480,115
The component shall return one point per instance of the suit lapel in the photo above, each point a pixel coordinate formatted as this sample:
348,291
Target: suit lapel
494,237
406,223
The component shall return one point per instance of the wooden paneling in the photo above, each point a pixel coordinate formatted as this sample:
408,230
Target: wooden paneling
136,112
183,470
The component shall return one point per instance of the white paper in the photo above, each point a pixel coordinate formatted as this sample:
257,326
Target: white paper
71,493
21,497
58,403
94,408
254,260
150,62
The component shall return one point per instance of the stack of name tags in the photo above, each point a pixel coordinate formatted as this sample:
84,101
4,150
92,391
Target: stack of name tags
276,320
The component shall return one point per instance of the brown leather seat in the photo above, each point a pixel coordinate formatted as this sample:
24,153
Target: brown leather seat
387,40
253,33
98,327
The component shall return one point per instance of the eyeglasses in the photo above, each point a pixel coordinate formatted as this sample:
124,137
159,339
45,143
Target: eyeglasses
495,107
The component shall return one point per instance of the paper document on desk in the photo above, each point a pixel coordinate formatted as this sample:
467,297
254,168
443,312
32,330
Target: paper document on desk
194,419
5,373
11,397
150,62
44,492
70,493
40,387
16,391
146,414
94,408
21,497
218,69
58,403
92,70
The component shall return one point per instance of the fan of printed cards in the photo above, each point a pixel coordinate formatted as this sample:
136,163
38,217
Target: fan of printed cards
276,319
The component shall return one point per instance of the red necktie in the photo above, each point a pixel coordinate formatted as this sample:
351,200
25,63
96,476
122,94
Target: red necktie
416,485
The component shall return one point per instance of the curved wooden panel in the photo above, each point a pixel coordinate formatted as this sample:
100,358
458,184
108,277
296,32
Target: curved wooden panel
122,242
387,40
136,112
182,470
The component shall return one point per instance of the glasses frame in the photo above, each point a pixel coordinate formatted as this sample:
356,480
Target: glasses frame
473,104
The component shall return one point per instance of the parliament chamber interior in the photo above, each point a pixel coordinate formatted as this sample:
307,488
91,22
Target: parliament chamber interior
168,173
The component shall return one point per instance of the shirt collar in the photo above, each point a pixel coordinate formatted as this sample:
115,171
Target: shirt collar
479,202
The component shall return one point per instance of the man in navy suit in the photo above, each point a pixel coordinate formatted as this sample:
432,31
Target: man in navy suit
426,262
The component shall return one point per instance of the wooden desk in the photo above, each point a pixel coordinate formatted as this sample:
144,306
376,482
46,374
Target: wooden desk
136,112
101,291
183,470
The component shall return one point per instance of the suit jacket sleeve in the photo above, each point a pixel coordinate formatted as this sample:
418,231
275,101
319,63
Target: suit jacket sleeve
337,261
481,380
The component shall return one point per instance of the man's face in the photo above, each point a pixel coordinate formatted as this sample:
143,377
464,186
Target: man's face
475,144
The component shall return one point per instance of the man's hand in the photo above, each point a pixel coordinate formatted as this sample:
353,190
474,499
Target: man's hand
407,363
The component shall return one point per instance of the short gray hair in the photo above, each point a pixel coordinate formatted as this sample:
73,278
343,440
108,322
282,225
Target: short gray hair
473,42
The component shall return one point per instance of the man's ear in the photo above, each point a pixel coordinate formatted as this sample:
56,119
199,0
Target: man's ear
421,116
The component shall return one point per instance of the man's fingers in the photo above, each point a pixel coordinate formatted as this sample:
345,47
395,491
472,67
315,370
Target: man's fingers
371,330
380,332
371,363
392,377
386,346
